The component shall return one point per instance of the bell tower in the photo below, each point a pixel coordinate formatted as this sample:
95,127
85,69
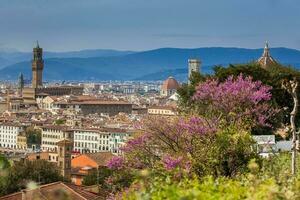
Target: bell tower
37,67
194,66
64,151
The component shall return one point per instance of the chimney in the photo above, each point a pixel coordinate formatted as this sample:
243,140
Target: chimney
23,194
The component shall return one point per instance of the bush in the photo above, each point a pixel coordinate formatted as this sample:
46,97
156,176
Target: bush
258,184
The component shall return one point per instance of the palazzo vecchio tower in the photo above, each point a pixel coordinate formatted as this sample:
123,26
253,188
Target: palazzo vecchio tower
37,67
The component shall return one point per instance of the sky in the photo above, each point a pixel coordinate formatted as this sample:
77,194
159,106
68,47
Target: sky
69,25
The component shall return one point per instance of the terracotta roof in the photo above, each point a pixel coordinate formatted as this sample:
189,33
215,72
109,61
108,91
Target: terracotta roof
56,127
101,158
57,190
92,102
170,84
163,107
64,142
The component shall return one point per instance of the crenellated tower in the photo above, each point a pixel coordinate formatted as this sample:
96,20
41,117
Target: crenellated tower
37,67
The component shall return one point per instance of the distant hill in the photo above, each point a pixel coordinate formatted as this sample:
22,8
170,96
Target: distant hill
12,56
155,64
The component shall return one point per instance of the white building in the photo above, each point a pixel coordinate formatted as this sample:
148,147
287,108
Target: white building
117,139
8,134
265,144
162,110
100,140
90,141
53,134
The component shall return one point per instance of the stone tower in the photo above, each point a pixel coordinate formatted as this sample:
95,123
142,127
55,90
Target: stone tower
37,67
194,66
64,158
20,84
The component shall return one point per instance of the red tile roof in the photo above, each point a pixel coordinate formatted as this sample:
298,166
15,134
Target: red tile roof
57,190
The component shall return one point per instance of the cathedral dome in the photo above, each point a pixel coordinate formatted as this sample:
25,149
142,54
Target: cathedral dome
170,84
266,59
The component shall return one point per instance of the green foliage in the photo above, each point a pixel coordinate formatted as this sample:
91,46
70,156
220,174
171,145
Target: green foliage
268,182
4,163
33,136
59,122
186,91
22,172
251,69
273,76
109,179
225,155
211,189
97,176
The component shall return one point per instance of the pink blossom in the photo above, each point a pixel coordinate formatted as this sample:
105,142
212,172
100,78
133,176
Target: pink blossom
242,98
198,126
115,163
171,162
136,142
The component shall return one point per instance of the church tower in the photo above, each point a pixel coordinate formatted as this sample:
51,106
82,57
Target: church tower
20,84
37,67
64,151
194,66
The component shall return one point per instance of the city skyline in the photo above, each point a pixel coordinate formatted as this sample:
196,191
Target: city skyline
140,25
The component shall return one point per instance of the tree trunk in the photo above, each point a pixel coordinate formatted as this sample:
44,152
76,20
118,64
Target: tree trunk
291,87
293,127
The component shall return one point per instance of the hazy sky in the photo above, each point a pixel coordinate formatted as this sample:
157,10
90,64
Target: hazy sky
62,25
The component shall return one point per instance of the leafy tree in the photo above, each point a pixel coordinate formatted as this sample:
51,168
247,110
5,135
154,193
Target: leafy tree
252,69
273,76
4,167
239,101
33,136
60,122
214,142
97,176
22,172
4,163
186,91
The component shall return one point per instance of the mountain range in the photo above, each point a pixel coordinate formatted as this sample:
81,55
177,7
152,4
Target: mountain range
155,64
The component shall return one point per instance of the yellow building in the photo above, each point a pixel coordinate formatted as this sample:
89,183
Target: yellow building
21,141
162,110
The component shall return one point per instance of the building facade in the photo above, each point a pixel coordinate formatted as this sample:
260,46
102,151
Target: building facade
100,140
96,106
51,135
21,141
9,135
162,110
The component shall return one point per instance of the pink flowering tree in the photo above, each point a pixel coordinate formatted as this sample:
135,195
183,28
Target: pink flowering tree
164,137
239,101
215,140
